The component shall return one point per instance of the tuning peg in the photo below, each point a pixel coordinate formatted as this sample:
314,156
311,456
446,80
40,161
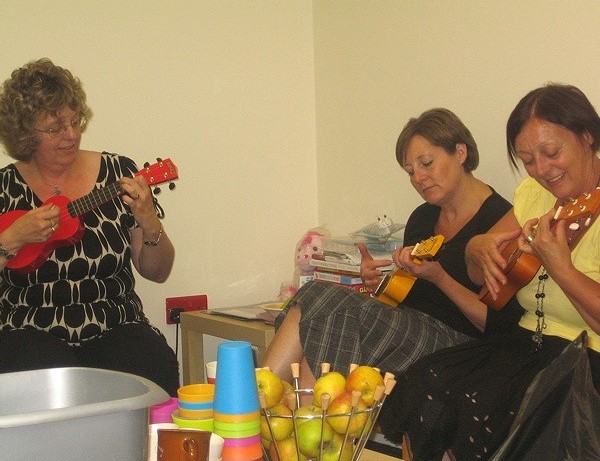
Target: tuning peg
171,186
146,165
156,190
158,159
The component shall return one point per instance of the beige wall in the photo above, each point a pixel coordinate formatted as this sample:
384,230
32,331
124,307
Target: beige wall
282,115
223,87
377,63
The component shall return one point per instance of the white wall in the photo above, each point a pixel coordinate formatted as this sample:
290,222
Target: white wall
377,63
223,87
255,109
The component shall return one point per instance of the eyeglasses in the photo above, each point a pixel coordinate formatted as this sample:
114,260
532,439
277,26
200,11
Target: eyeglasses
76,123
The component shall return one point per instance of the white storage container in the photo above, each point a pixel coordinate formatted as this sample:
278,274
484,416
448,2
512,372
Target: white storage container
78,414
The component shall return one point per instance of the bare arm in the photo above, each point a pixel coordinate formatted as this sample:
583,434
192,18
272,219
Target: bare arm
35,226
551,247
483,254
467,301
153,262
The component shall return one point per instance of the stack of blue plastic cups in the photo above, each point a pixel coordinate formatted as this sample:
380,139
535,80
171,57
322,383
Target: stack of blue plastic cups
236,407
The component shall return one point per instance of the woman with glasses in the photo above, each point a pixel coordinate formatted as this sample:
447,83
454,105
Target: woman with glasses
75,303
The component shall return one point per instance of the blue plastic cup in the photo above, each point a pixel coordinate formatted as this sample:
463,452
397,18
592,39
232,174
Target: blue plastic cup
235,387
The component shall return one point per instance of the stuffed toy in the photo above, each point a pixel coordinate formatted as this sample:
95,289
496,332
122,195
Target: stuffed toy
310,244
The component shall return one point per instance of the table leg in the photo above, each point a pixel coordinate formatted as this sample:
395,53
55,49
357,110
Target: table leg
192,352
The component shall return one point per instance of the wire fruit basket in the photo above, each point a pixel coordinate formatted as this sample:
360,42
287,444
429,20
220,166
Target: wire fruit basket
321,435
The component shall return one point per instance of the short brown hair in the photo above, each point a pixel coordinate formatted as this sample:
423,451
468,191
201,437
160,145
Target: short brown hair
37,88
442,128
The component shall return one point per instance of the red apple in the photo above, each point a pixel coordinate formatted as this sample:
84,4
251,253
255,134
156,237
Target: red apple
365,379
281,423
332,383
269,383
309,436
342,406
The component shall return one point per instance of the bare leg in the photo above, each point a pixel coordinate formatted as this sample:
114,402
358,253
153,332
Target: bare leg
448,456
307,381
285,348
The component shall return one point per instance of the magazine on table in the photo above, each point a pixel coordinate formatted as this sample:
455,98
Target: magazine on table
262,311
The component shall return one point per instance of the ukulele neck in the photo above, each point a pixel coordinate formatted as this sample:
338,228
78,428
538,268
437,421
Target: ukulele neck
94,199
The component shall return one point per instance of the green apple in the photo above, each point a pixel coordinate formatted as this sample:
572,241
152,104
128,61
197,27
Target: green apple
332,383
287,450
269,383
334,452
303,413
309,436
281,422
287,389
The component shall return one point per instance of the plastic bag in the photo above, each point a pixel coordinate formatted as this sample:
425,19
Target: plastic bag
559,418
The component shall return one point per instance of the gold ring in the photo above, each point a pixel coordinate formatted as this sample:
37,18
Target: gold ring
529,238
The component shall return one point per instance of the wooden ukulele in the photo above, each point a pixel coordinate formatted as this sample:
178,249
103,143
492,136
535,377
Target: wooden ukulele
397,284
70,226
522,267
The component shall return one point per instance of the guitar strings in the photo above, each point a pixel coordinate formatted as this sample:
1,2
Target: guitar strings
90,201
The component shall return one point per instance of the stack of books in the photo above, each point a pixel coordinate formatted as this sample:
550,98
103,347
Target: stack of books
343,268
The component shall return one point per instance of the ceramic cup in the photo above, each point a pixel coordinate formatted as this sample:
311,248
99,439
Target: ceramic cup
183,445
153,438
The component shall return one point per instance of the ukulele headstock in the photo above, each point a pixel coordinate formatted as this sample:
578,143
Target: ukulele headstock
160,172
427,248
583,207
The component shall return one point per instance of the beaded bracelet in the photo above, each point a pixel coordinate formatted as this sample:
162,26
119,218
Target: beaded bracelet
155,242
5,254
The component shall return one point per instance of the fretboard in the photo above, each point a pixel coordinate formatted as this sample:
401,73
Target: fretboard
94,199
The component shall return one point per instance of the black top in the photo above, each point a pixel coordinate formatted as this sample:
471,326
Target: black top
82,289
420,226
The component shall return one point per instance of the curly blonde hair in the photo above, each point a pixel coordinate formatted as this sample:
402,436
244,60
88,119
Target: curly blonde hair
37,88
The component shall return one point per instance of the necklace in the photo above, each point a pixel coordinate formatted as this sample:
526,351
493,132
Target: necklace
539,310
56,190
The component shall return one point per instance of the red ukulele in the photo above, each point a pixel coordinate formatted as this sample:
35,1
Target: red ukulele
522,267
70,228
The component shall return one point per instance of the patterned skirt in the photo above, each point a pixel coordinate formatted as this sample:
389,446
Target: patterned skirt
464,399
340,326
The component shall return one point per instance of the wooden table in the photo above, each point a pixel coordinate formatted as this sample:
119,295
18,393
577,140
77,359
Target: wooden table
368,455
196,324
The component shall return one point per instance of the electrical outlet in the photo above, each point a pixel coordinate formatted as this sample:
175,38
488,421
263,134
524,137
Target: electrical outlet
187,303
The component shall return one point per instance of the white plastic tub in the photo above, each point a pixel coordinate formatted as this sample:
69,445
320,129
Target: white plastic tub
78,414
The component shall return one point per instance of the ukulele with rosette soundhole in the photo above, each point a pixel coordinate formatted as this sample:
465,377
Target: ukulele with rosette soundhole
396,285
70,228
522,267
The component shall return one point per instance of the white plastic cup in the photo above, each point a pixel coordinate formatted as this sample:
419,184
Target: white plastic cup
211,372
